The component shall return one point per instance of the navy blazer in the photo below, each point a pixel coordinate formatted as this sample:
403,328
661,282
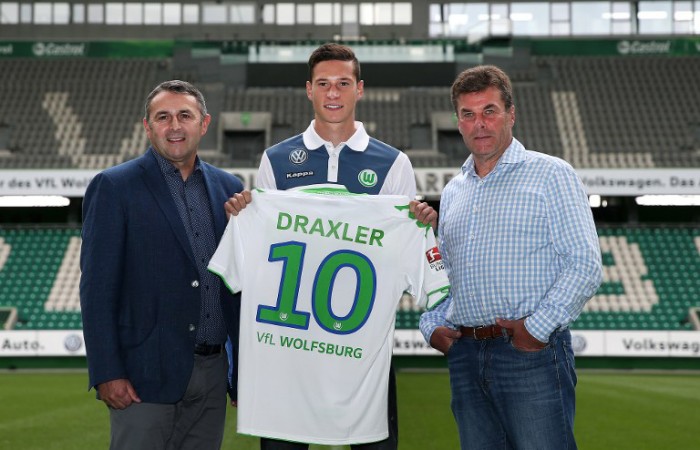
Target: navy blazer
139,288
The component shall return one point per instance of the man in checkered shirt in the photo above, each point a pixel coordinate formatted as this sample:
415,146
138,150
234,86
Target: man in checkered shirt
518,240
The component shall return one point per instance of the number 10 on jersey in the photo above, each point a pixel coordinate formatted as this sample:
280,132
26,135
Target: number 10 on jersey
285,313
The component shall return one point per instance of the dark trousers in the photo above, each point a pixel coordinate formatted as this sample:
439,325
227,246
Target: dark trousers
195,422
390,443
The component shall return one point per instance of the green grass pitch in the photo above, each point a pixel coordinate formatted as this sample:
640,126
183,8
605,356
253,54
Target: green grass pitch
622,410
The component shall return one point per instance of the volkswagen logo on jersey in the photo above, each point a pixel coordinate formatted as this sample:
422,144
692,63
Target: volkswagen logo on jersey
367,178
298,156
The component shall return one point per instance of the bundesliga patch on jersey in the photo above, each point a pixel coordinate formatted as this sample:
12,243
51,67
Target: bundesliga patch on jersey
435,259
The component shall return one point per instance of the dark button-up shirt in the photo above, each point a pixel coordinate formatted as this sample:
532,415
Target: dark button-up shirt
194,208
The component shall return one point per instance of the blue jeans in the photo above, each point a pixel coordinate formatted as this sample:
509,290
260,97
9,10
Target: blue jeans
505,398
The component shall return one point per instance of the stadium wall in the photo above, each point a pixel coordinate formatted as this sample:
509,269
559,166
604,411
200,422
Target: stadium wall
593,349
624,349
429,181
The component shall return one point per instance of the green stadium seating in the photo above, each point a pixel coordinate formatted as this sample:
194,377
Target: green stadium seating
651,279
40,276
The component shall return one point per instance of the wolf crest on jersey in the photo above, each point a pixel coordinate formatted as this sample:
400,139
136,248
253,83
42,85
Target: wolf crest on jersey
321,277
367,178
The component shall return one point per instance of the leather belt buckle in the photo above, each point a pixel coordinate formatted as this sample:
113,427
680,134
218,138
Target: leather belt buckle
483,332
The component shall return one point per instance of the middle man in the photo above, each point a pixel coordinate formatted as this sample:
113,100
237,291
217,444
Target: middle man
336,149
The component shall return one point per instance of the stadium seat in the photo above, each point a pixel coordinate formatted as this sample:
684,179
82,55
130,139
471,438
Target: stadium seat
40,276
651,279
592,111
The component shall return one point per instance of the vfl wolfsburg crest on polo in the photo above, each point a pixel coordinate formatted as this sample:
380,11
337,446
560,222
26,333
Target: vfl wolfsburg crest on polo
298,156
367,178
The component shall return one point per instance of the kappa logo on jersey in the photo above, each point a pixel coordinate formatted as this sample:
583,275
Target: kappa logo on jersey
298,156
367,178
305,173
435,259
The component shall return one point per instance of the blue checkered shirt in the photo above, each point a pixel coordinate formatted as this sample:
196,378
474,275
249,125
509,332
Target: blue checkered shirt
520,242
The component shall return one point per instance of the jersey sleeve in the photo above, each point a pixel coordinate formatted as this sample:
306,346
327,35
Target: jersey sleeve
266,176
228,260
436,285
400,180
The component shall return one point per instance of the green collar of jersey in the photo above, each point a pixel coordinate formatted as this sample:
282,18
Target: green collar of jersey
326,189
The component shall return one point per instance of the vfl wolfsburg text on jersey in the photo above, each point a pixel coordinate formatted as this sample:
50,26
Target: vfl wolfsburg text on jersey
321,277
326,348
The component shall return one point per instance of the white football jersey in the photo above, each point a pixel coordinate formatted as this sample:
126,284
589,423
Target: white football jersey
321,277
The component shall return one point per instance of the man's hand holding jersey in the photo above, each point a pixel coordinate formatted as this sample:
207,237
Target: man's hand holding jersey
237,203
424,213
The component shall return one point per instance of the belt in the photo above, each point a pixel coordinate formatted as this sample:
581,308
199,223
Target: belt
206,350
485,332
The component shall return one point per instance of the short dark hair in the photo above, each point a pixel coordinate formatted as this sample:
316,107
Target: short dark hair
480,78
178,87
334,52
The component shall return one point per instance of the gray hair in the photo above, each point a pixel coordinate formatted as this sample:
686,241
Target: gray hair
178,87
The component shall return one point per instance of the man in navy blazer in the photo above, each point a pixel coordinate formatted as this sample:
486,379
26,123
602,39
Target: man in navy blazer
155,320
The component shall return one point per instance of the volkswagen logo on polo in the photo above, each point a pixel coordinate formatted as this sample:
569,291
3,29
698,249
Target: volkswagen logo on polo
298,156
367,178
